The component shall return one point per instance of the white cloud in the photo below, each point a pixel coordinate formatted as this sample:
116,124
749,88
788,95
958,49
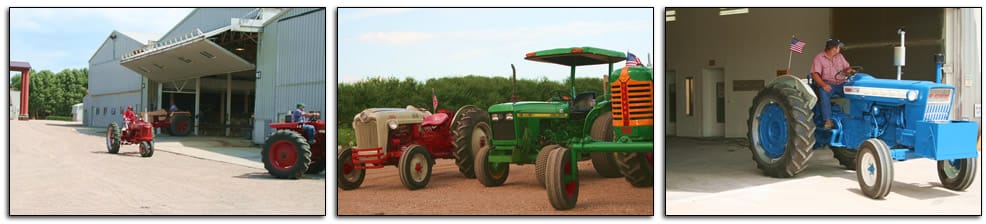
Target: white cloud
569,30
372,12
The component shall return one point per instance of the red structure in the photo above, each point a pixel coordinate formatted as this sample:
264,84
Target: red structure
25,69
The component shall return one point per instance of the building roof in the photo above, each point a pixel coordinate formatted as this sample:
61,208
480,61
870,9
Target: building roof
143,38
19,65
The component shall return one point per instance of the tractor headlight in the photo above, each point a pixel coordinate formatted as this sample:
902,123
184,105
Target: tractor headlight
912,95
495,117
392,124
509,117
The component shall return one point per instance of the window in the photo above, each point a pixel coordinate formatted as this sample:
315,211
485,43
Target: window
669,16
689,96
733,11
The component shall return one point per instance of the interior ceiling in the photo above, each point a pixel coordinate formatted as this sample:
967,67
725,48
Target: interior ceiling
243,44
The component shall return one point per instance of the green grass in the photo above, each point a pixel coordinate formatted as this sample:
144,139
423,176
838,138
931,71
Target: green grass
347,136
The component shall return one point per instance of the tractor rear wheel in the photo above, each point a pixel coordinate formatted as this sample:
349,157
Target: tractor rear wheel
286,154
415,167
347,175
146,149
561,180
637,168
113,138
490,174
846,157
181,125
957,174
604,162
540,164
781,131
874,168
471,133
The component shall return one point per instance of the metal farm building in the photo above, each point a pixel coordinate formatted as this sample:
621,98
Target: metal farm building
235,69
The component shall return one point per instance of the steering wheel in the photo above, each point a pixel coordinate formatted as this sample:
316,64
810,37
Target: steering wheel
849,76
314,118
557,95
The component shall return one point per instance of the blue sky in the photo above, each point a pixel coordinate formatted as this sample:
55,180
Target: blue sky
444,42
55,39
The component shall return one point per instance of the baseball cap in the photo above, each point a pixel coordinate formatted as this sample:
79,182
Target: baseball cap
834,42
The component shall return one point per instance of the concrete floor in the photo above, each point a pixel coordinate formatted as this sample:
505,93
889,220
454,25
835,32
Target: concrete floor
719,177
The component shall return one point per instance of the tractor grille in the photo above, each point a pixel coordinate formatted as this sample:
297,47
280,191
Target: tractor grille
366,134
633,103
939,104
503,129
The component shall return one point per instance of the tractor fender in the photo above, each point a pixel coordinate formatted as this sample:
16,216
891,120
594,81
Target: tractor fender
459,112
797,83
600,107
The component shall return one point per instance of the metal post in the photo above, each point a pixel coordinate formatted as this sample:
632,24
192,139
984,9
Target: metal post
198,85
229,99
572,79
900,65
160,104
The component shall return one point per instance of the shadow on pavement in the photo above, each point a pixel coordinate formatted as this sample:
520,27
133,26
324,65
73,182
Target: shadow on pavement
129,154
265,175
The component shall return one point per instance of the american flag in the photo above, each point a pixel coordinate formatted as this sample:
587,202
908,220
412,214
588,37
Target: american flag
434,100
797,45
632,60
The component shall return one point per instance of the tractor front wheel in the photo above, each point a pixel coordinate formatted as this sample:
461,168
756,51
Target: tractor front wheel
471,133
146,149
874,168
415,167
604,162
540,164
113,138
957,174
286,154
347,175
490,174
562,180
781,131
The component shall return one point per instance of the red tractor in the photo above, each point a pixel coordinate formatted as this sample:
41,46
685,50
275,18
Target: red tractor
287,153
139,132
178,123
408,138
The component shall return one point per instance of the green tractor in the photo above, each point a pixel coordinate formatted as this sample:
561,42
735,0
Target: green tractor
615,133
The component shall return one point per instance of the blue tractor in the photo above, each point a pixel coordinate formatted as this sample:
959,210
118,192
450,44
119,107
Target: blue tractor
876,121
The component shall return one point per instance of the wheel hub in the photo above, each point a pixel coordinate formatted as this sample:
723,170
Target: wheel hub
771,130
952,168
283,155
869,174
418,172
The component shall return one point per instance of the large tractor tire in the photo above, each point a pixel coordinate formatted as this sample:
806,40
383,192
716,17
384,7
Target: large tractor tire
604,162
347,175
415,167
540,164
490,174
781,131
286,154
316,167
846,157
113,138
561,180
181,125
472,133
957,174
146,149
637,168
874,168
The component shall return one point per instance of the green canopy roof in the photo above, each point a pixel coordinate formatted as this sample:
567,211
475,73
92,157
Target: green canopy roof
577,56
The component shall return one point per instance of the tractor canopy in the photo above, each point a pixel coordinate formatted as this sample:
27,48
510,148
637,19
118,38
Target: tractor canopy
577,56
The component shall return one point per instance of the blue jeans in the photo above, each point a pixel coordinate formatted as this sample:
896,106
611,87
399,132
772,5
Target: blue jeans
825,99
310,130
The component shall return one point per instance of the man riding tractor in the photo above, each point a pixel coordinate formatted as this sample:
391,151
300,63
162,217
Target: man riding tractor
299,115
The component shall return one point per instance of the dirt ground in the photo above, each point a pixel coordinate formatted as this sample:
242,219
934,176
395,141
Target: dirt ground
55,170
450,193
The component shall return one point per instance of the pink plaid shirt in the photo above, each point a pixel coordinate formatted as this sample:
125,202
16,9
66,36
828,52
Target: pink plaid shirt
829,67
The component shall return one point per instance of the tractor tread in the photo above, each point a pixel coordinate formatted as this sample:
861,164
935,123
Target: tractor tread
801,130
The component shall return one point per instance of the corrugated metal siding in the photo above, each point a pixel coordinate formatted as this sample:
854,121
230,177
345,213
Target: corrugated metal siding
207,19
292,65
106,75
109,102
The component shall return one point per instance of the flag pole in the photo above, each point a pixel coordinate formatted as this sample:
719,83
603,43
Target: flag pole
789,53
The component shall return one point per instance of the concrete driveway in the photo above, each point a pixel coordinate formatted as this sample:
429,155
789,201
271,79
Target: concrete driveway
718,177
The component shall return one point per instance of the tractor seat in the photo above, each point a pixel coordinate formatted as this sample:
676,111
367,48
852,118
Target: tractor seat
435,119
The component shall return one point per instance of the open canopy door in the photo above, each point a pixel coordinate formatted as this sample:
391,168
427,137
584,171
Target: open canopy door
186,57
577,56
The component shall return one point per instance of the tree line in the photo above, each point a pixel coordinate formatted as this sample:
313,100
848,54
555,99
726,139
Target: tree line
53,94
452,93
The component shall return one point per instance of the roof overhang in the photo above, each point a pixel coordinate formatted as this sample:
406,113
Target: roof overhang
186,57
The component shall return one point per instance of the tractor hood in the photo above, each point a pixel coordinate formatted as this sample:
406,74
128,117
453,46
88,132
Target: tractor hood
531,107
406,115
865,86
